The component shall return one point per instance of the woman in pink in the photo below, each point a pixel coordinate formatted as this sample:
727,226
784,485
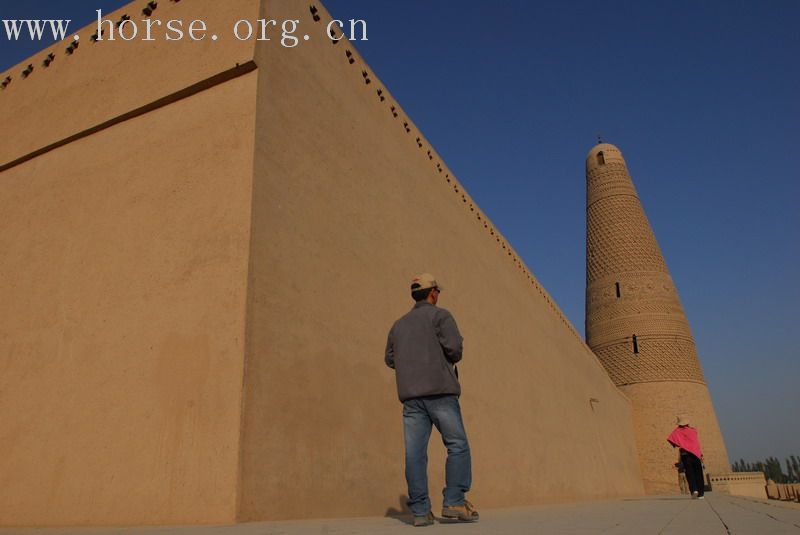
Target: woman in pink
685,437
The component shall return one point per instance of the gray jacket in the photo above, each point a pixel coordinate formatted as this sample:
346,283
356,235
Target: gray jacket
422,348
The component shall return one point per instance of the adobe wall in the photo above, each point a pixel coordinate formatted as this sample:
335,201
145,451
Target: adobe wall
349,202
132,314
123,280
102,82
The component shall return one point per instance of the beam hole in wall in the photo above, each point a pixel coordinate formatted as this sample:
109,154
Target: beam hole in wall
380,94
365,74
430,156
149,8
394,112
48,60
314,12
419,143
349,57
332,36
5,82
28,70
635,345
617,285
122,19
73,46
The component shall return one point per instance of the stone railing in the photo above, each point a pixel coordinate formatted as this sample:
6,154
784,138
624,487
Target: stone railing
785,492
751,484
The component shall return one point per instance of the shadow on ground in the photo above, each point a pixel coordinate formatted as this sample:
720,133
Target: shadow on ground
401,513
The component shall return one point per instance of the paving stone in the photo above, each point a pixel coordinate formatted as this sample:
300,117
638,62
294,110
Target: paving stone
652,515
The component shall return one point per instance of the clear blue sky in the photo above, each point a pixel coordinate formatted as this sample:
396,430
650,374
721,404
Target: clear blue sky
701,97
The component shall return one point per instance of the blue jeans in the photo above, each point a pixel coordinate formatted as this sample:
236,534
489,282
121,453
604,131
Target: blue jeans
445,413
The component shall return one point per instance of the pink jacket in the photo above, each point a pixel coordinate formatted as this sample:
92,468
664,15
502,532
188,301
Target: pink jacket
686,438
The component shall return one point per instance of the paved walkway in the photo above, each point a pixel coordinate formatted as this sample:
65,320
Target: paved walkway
666,515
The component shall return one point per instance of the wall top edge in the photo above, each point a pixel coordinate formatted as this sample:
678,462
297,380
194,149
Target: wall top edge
74,85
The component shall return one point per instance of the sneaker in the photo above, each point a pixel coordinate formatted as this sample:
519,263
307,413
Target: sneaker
694,495
423,520
462,513
701,497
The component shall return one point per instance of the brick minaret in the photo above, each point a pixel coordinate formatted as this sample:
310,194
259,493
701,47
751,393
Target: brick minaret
636,325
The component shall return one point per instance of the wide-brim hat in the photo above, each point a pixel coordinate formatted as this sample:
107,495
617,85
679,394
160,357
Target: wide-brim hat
683,420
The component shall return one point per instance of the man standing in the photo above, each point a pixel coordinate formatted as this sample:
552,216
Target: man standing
423,348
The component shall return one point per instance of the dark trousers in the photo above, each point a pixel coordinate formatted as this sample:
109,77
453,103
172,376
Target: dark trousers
694,472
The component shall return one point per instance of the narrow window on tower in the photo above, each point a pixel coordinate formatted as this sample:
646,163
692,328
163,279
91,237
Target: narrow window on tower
617,285
635,345
601,160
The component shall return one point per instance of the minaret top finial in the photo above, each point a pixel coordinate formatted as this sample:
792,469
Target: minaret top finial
599,138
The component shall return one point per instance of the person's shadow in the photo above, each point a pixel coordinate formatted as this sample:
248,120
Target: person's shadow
401,514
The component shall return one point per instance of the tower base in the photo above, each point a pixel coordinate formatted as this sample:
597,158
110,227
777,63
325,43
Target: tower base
656,406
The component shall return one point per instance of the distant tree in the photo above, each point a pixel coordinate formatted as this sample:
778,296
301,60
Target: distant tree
774,471
745,466
795,467
772,468
758,466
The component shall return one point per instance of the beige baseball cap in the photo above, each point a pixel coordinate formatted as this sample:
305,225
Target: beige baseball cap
423,281
683,420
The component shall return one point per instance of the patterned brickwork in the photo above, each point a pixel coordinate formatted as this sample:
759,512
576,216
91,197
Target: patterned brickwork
633,285
612,312
644,326
609,179
629,296
629,291
659,359
619,238
636,325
